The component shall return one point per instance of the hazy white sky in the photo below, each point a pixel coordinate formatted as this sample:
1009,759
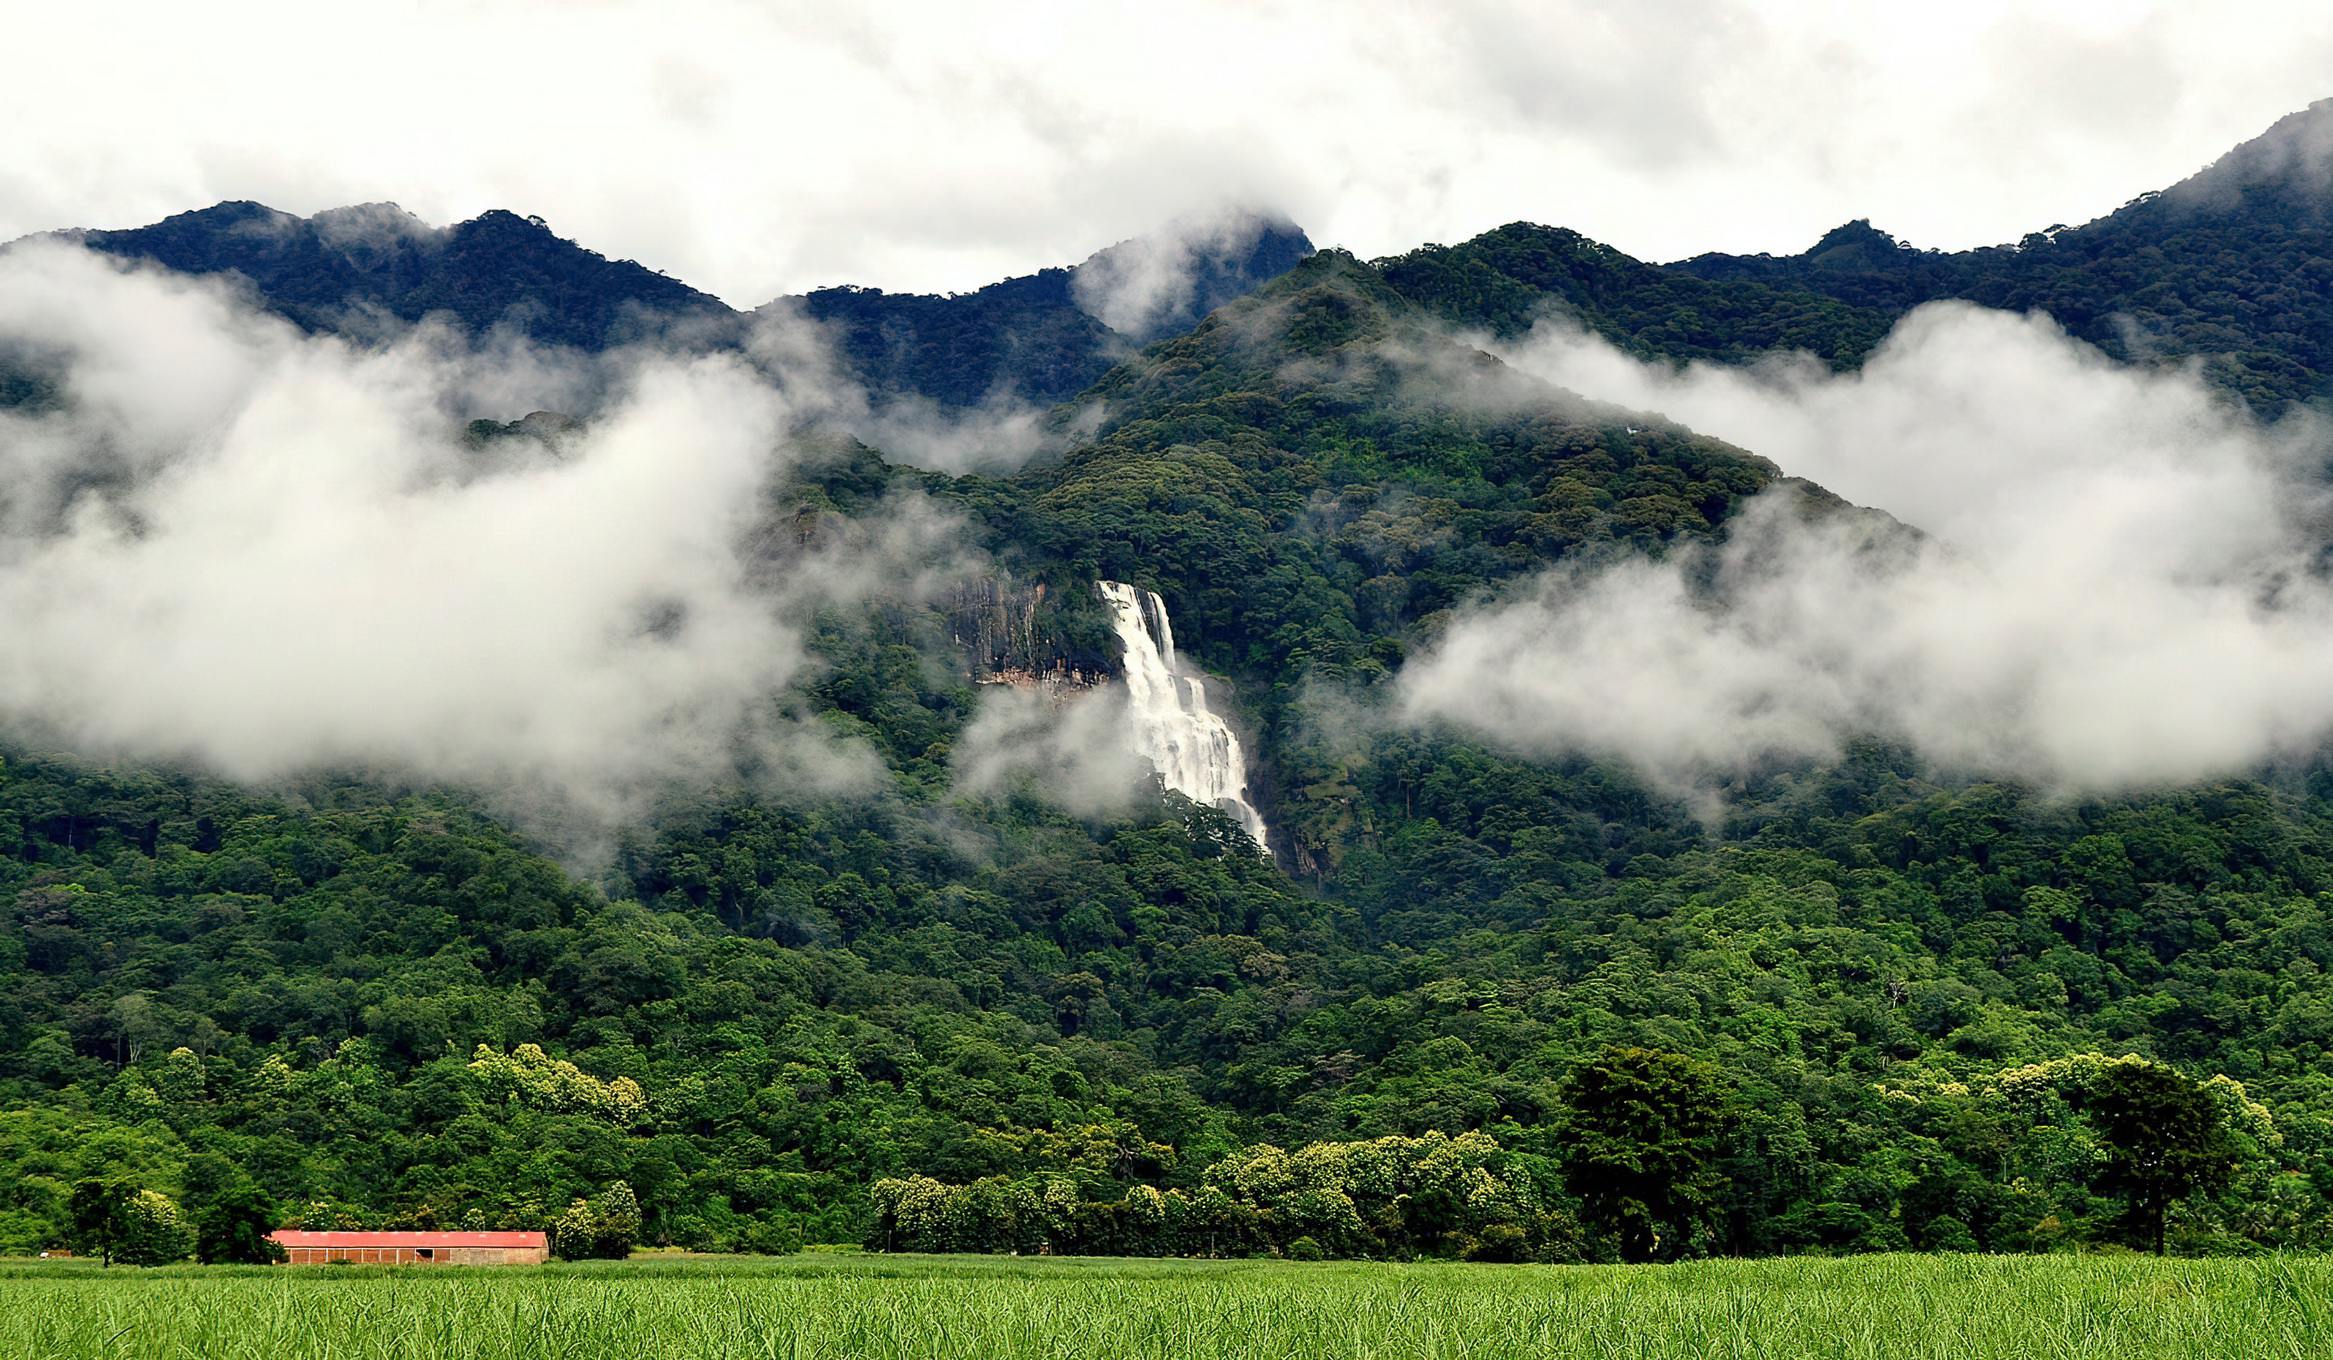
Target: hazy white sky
759,148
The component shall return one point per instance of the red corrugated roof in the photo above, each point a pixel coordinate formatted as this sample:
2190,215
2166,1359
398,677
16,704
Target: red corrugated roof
299,1237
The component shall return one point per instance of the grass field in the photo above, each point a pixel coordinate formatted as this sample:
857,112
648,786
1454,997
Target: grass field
1951,1308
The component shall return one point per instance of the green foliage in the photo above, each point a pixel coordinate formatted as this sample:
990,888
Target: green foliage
982,1022
230,1214
1643,1136
119,1221
98,1212
1509,279
602,1228
2164,1140
1385,1197
232,1226
147,1231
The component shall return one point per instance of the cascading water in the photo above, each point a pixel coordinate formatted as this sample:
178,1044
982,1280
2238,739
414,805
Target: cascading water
1193,750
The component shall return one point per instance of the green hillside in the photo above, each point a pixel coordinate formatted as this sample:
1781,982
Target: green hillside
1880,988
1474,1004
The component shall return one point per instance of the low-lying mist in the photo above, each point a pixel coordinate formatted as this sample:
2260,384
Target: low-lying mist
262,552
2120,583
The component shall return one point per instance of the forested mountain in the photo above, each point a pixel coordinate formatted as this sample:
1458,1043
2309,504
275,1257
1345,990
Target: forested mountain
1506,281
1047,336
1041,338
363,269
1477,1003
2227,266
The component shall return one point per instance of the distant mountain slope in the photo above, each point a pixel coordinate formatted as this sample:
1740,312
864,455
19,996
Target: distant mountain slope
2233,265
349,269
1040,338
1047,336
1505,280
1022,335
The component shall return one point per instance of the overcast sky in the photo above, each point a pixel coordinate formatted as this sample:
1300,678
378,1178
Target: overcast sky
758,148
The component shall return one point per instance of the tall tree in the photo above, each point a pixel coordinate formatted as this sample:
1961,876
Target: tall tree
121,1222
231,1214
1644,1135
2165,1141
94,1213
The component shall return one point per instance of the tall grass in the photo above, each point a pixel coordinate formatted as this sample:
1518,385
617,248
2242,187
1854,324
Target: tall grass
891,1308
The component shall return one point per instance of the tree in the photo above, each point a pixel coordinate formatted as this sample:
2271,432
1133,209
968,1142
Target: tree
601,1228
151,1232
1644,1134
121,1222
94,1216
232,1226
2165,1140
619,1222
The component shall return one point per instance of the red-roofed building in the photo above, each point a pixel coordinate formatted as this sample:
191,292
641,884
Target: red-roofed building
304,1248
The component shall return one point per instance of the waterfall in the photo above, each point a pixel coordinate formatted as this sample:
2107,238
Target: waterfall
1193,750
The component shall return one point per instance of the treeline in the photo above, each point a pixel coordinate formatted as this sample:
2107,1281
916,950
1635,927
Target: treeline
1427,1196
776,1008
1647,1163
229,1220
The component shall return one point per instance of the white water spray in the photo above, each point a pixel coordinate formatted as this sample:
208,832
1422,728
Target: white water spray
1193,750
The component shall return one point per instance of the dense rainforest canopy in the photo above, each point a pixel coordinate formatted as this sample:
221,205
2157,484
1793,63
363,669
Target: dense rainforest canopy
1476,1004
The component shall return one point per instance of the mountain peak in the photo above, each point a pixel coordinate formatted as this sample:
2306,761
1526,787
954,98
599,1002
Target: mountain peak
504,222
369,260
1855,246
2295,155
1045,337
1163,283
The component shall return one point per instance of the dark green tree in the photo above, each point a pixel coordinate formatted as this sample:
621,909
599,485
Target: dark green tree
231,1215
121,1222
94,1214
1644,1135
2165,1140
232,1226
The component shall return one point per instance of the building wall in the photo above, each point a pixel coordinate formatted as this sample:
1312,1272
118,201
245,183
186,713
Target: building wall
495,1256
392,1256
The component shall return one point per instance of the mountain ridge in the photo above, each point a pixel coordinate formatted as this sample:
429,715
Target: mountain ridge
2218,267
2248,224
1034,338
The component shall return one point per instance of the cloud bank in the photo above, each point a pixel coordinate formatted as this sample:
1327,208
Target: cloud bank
798,354
2122,583
757,149
226,542
1075,753
1167,279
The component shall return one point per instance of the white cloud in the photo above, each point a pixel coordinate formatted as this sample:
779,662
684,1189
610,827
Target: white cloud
754,149
293,560
2121,588
799,354
1150,285
1074,750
